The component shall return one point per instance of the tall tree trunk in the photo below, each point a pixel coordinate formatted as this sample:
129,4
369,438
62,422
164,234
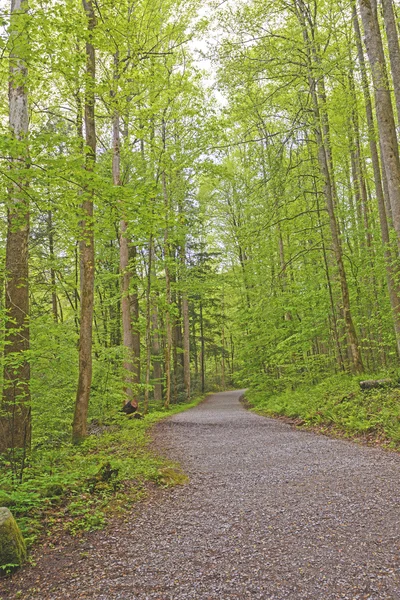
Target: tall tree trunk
148,325
186,327
339,356
383,107
130,380
155,338
86,245
135,310
394,49
50,232
202,343
360,188
168,324
393,288
177,350
321,128
15,419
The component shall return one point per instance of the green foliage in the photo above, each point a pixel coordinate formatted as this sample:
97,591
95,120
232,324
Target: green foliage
74,488
338,404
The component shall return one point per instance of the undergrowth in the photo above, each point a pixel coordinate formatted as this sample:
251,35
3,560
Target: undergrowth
338,405
74,488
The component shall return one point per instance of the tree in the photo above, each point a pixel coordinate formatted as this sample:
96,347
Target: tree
15,416
86,244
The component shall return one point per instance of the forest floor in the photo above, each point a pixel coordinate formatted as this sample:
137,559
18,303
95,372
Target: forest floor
270,512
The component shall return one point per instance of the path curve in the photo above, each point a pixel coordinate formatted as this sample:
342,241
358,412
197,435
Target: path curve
270,513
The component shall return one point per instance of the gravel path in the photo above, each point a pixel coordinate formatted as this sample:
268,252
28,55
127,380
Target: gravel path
270,513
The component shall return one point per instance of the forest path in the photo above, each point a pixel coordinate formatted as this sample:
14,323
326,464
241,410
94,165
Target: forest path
270,513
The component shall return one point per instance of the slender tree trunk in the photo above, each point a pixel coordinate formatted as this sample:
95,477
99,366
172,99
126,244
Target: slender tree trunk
202,343
15,415
168,325
54,301
155,340
194,343
336,337
125,268
288,315
176,334
135,313
87,259
383,107
127,332
223,379
321,128
148,326
186,329
360,187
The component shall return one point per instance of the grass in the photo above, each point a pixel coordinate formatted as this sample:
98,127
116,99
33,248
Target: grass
75,488
338,406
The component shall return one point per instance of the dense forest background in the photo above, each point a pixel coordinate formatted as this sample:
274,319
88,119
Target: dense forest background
194,197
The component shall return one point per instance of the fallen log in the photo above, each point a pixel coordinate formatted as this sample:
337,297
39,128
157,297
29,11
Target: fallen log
370,384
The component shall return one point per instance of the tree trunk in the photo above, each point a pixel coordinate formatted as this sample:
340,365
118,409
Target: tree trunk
321,128
186,328
130,380
135,310
155,340
148,326
202,343
394,292
168,325
394,49
86,245
15,420
54,301
383,107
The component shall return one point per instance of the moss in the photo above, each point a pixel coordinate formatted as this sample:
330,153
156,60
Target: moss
12,545
170,476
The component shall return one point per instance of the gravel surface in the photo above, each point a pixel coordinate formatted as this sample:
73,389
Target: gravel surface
270,513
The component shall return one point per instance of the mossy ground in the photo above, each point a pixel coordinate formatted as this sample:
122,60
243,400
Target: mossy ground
76,488
337,406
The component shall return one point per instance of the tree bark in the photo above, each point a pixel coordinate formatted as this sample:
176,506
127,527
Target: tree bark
155,338
148,326
168,324
54,301
186,327
86,245
391,278
130,378
135,309
15,416
202,343
394,49
321,128
383,107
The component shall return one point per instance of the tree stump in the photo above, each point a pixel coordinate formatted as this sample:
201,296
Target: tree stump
12,545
